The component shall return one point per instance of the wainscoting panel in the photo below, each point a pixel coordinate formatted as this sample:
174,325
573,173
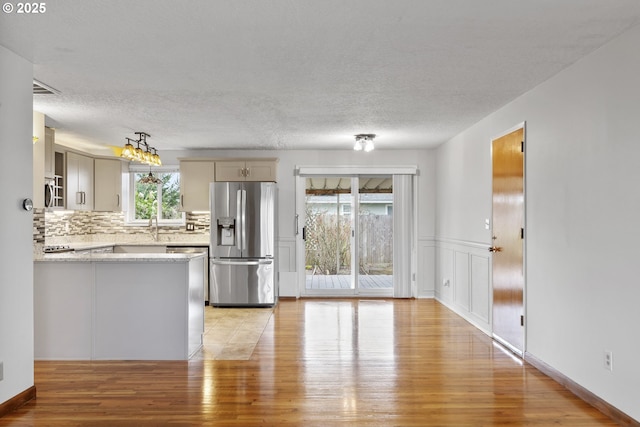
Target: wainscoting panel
286,255
288,276
426,268
444,274
463,280
480,291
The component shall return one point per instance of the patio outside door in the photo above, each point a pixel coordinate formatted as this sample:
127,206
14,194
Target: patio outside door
348,235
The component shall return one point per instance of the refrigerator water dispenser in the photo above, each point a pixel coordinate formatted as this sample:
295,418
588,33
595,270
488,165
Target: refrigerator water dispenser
226,231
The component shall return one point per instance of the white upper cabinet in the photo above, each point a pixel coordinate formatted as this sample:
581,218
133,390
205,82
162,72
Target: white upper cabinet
246,170
49,153
79,182
195,176
108,185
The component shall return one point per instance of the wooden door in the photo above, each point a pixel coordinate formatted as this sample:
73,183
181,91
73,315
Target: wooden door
508,239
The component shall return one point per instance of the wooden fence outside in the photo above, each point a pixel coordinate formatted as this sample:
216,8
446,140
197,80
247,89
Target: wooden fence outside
327,244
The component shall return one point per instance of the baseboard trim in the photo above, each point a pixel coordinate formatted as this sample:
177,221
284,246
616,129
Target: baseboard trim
606,408
17,401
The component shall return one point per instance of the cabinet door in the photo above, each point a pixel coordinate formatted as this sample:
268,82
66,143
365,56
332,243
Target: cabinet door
108,185
261,170
79,182
195,177
230,171
85,182
49,153
74,196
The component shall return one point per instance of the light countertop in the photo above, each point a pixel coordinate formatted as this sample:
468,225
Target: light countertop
117,257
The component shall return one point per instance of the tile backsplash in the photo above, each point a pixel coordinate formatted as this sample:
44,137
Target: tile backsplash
71,224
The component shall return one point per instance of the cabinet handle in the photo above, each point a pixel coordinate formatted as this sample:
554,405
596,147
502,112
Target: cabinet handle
248,172
118,200
78,197
84,198
182,200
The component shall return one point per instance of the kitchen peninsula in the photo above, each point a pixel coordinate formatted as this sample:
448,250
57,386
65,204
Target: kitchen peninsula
118,306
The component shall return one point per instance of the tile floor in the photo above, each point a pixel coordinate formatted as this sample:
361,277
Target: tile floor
232,333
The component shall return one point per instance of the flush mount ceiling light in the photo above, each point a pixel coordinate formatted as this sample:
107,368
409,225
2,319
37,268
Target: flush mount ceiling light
364,141
147,154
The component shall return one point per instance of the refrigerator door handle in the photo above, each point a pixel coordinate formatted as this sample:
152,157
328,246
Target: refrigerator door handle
239,224
244,220
242,262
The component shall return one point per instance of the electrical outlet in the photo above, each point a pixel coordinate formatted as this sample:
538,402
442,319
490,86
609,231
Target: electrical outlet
191,226
608,360
446,282
1,371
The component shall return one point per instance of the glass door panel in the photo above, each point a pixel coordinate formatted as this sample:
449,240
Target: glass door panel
348,234
375,235
328,236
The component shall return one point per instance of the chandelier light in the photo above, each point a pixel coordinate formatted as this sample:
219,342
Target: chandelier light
364,141
150,179
146,155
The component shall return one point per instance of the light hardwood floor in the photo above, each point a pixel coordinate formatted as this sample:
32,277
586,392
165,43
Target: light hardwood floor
319,363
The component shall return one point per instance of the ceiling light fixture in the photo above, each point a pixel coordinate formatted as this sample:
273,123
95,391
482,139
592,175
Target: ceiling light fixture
150,179
364,141
148,155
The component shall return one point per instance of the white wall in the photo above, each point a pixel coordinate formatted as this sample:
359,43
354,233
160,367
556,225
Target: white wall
583,199
289,159
16,264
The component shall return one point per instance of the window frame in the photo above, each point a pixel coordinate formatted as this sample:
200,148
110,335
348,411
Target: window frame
130,219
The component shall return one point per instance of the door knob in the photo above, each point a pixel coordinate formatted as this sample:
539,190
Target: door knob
495,249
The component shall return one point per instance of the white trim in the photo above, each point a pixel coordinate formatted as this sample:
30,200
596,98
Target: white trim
129,217
355,170
521,125
465,315
479,245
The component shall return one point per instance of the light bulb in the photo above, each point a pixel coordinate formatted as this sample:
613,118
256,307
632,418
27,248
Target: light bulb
368,146
127,151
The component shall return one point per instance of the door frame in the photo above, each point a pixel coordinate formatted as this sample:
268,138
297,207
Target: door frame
354,245
523,126
301,173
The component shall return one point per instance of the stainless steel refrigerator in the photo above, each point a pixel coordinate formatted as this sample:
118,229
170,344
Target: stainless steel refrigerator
243,228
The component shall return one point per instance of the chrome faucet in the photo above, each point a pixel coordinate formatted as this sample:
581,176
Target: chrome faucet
154,235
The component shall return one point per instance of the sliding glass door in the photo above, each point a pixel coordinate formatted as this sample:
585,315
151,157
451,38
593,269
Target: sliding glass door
348,235
374,231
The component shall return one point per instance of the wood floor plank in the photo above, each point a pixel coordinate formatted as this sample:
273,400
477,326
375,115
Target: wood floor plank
319,363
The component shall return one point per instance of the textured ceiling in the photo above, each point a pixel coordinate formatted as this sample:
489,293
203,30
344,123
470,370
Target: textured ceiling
297,74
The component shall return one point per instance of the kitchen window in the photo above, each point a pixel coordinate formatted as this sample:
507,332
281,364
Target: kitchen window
146,200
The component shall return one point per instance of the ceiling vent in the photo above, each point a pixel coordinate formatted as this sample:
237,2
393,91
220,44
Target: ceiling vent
40,88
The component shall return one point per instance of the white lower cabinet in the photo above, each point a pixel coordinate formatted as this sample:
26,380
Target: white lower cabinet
118,310
63,314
